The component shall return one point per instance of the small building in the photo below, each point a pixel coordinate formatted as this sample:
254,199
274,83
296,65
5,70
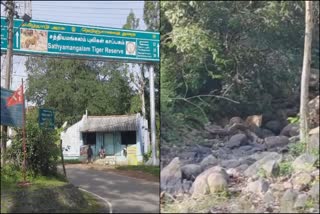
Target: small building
124,138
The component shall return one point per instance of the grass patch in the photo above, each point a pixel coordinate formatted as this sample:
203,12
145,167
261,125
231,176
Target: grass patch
72,161
199,205
94,205
296,149
48,194
153,170
285,168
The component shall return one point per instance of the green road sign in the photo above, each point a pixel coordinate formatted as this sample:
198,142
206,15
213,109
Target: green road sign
46,118
72,40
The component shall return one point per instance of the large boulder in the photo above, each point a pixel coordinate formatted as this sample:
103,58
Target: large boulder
288,200
209,161
290,130
259,187
276,141
171,177
237,140
304,163
313,143
217,182
264,162
201,186
301,180
313,116
266,133
274,125
230,163
301,201
271,168
190,171
314,191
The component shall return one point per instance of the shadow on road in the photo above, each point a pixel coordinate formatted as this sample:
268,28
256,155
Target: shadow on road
125,194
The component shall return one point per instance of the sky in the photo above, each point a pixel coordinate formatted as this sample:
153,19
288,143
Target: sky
98,13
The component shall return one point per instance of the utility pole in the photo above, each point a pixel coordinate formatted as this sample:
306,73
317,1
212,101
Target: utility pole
152,116
10,15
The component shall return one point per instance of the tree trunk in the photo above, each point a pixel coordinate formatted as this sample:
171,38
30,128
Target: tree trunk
305,74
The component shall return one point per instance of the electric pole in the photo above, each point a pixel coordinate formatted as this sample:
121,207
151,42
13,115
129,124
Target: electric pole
10,15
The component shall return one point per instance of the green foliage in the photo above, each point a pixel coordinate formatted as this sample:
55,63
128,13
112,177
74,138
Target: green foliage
10,174
246,51
285,168
42,150
262,173
153,170
72,86
135,106
293,120
132,21
147,156
297,149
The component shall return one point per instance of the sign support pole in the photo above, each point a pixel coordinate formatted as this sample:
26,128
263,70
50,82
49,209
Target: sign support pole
152,116
24,135
10,16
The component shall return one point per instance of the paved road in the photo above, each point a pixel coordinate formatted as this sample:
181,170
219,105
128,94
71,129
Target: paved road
127,195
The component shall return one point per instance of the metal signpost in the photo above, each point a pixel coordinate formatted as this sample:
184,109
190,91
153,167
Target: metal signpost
46,117
72,40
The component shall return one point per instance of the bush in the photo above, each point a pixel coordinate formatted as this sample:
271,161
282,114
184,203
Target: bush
42,149
297,149
285,168
147,156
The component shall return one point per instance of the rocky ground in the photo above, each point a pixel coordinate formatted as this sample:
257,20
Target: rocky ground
227,173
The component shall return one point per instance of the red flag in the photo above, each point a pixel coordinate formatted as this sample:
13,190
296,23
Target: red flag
16,98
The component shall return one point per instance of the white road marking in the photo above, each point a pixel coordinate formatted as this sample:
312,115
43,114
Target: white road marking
109,204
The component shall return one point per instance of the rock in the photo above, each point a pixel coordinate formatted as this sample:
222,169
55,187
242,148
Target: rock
314,139
230,163
276,141
304,162
208,161
233,172
267,133
294,139
217,182
254,168
268,197
287,201
301,201
274,125
186,185
259,187
171,177
245,148
290,130
301,180
200,185
271,168
314,191
237,140
190,171
313,116
242,167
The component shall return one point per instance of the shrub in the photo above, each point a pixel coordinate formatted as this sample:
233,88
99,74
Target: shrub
297,149
42,150
285,168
